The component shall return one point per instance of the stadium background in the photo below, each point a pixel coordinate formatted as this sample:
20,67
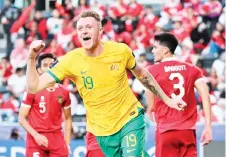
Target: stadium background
199,25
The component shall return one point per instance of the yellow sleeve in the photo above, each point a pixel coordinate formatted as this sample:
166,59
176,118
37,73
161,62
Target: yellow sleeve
58,69
130,58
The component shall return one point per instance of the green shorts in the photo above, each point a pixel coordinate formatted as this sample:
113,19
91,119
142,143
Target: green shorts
128,142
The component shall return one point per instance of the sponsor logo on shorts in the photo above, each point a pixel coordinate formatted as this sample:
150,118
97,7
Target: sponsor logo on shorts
128,151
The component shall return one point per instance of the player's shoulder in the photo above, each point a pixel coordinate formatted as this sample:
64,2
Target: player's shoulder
71,56
115,45
75,52
61,87
154,66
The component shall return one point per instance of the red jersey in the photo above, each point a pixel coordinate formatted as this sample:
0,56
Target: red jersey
46,108
91,142
177,79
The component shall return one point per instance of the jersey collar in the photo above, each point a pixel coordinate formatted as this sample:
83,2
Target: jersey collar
169,59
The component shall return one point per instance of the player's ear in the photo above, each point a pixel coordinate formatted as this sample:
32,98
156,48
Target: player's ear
39,70
166,50
101,30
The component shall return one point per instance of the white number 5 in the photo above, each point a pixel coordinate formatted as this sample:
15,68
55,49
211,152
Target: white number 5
179,85
42,105
36,154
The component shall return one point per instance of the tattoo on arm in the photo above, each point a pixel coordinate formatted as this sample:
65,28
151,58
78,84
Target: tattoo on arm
150,83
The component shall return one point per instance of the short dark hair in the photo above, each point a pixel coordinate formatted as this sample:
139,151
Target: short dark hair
19,69
42,57
5,58
168,40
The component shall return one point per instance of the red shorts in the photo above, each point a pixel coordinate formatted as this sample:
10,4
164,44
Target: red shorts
94,153
56,146
176,143
93,149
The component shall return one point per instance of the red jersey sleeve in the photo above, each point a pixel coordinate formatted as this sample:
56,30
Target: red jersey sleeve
152,70
67,102
27,100
197,74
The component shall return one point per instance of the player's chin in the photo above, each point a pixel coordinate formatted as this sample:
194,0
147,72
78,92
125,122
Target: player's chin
156,60
87,46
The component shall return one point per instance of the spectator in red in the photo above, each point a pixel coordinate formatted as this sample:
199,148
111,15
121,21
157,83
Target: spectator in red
179,31
83,5
143,36
210,12
172,7
18,57
11,103
33,32
189,19
118,10
193,4
124,37
211,9
99,8
149,19
55,49
20,22
42,24
134,9
64,36
133,12
6,69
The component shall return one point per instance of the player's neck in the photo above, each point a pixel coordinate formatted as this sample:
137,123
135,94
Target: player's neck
168,57
51,89
95,51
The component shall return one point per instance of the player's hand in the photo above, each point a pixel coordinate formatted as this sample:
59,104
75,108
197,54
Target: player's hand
41,140
177,104
35,47
206,137
69,149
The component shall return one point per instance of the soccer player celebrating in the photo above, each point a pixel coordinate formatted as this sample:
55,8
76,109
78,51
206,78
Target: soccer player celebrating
44,113
175,133
98,69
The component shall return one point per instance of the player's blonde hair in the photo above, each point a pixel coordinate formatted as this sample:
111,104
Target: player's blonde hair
90,13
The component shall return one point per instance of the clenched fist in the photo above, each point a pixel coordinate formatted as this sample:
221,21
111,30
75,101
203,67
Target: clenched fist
35,47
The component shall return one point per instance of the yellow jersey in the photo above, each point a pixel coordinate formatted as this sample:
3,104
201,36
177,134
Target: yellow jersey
103,84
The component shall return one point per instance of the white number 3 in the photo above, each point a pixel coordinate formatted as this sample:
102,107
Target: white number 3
178,85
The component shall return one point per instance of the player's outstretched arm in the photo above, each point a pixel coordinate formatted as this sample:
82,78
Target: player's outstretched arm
203,91
35,82
23,114
150,83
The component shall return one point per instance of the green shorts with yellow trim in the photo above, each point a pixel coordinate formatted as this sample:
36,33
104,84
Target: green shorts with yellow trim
128,142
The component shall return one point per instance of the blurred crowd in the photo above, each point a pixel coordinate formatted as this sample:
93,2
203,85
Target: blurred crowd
199,25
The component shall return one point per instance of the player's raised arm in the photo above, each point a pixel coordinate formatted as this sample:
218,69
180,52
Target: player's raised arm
35,82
